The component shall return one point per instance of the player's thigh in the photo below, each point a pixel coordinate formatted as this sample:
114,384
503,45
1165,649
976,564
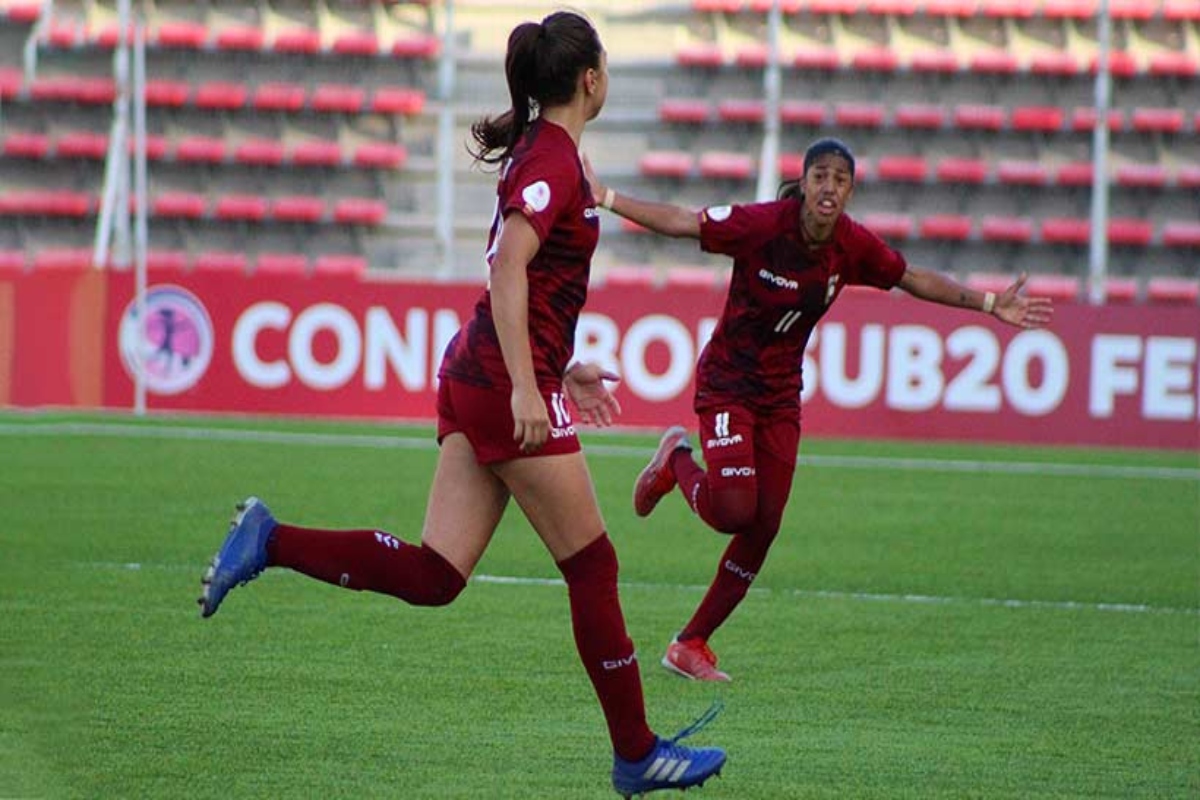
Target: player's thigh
466,502
558,498
727,440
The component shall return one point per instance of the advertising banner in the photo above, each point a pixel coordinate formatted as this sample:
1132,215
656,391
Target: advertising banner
880,365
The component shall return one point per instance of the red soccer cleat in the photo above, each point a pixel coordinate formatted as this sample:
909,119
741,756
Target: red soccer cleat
657,479
692,658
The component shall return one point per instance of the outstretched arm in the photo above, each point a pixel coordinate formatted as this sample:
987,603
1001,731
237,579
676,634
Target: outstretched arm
664,218
1009,306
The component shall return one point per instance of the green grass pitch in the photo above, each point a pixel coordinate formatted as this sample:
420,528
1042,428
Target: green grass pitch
934,622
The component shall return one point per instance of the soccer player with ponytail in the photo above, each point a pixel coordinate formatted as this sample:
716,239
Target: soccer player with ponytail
504,425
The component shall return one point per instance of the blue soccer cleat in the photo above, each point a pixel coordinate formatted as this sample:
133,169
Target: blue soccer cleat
241,558
670,765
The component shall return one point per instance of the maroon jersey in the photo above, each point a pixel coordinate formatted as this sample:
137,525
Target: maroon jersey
543,181
780,288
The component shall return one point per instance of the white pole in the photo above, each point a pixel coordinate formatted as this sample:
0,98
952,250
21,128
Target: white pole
1098,241
116,168
768,162
445,144
143,202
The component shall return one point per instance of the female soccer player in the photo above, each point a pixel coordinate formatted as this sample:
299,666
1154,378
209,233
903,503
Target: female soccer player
791,259
504,426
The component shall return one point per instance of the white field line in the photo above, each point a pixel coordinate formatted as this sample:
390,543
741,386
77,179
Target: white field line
381,442
813,594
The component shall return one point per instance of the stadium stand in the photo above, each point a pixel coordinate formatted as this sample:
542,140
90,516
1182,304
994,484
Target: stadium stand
289,128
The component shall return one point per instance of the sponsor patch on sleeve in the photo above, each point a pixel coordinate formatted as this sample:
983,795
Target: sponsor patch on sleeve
536,197
718,213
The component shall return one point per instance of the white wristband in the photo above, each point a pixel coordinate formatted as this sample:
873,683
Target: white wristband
989,302
609,197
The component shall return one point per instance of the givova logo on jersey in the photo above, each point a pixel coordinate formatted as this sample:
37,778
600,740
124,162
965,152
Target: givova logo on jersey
721,437
562,417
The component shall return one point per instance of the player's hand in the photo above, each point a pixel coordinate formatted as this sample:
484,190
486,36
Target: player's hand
585,384
531,420
1024,312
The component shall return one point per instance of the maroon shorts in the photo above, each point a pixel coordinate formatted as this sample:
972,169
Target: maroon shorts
485,417
732,437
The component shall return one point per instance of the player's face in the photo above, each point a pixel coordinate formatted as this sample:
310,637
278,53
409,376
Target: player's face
828,187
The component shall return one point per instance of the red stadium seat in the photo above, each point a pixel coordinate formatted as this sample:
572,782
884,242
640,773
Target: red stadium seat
1132,9
350,264
26,145
419,47
691,111
752,56
1066,230
989,281
1060,288
274,96
297,208
891,8
962,170
1181,10
950,8
1188,176
397,100
281,264
200,150
359,211
817,58
1006,229
303,41
64,33
666,164
54,88
46,203
221,95
630,275
875,59
1120,290
156,147
316,153
979,117
703,277
1007,9
726,165
1158,120
717,6
810,113
180,34
701,54
167,93
380,155
1142,176
889,226
240,38
82,144
1074,173
952,227
11,80
1084,119
741,110
23,13
259,152
791,165
1172,290
993,62
356,43
1069,9
1022,173
1120,64
906,169
1037,118
1131,232
1174,65
108,35
859,115
338,98
1181,233
220,261
942,62
919,115
247,207
184,205
834,6
1056,63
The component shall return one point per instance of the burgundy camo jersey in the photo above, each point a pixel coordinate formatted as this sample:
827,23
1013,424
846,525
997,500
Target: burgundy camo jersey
779,290
543,181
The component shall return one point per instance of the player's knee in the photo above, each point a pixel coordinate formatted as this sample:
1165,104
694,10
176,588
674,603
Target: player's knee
443,582
733,512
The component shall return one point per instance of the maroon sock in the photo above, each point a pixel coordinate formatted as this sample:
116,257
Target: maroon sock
367,560
605,647
739,566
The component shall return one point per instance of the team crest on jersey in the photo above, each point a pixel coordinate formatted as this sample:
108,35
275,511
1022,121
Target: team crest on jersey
536,196
718,213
